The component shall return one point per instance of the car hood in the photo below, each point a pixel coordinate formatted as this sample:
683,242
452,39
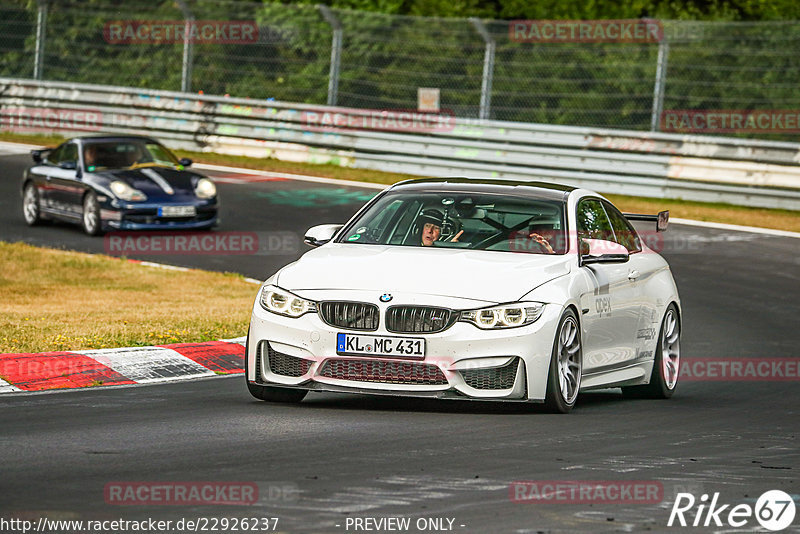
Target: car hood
155,182
494,277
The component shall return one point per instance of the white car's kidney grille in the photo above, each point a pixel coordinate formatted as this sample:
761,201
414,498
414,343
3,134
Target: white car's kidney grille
418,319
496,378
285,365
383,372
352,315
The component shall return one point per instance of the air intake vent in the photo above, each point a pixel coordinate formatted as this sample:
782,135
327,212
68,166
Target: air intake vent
418,319
285,365
384,372
495,378
259,355
352,315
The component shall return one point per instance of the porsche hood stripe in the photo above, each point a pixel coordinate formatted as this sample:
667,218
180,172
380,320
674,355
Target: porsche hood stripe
159,180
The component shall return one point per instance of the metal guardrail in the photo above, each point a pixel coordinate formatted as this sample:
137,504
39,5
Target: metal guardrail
692,167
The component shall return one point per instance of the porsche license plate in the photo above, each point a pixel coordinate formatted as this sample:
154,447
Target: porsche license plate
365,345
177,211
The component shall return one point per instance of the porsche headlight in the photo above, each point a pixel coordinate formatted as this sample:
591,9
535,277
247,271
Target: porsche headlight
505,316
282,302
126,192
205,188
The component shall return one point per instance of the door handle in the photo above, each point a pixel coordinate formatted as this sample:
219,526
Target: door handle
633,275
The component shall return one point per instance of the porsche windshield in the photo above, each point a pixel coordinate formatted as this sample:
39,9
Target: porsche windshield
480,221
125,154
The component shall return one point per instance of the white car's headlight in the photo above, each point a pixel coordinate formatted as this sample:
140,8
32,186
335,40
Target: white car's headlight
504,316
282,302
126,192
205,188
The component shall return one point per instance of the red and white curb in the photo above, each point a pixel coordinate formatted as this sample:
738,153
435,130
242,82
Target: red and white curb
112,367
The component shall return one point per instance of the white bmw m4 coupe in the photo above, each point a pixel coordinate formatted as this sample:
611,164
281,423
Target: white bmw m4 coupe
471,289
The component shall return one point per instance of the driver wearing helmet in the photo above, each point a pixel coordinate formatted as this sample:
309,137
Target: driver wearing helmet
431,221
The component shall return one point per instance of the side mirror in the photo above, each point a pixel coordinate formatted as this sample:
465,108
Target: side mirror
69,165
186,162
319,235
602,251
36,155
663,221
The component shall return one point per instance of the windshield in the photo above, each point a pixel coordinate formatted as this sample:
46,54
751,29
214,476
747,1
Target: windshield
479,221
126,154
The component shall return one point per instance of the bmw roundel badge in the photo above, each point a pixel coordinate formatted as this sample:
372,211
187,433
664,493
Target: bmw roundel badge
386,297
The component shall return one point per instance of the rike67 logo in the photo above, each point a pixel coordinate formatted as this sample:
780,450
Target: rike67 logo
774,510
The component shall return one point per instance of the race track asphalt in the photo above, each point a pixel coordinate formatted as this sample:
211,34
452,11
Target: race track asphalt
335,457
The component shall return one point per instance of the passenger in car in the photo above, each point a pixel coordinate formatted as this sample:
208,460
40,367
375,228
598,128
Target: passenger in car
540,234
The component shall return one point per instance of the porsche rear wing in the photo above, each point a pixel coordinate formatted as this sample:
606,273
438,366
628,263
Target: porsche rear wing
662,219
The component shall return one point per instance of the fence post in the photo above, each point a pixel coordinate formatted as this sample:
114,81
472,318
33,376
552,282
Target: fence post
41,30
336,52
188,48
488,68
661,80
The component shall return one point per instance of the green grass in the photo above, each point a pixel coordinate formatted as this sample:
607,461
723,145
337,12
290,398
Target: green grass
59,300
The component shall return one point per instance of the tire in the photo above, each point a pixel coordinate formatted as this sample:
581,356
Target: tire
666,364
566,361
90,218
267,393
31,209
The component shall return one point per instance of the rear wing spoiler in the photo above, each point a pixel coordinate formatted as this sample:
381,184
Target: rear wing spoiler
662,219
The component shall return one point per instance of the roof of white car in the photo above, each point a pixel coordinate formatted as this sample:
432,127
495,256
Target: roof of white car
479,185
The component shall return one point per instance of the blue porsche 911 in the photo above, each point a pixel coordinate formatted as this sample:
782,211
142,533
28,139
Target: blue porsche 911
117,183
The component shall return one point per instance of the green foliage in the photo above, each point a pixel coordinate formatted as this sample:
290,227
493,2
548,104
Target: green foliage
387,55
719,10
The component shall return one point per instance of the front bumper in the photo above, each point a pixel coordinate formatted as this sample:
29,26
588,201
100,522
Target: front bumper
460,362
135,216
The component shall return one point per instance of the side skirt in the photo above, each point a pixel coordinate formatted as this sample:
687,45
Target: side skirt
632,375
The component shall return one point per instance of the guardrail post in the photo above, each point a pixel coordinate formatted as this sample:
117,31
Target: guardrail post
41,30
488,68
188,49
336,52
661,80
